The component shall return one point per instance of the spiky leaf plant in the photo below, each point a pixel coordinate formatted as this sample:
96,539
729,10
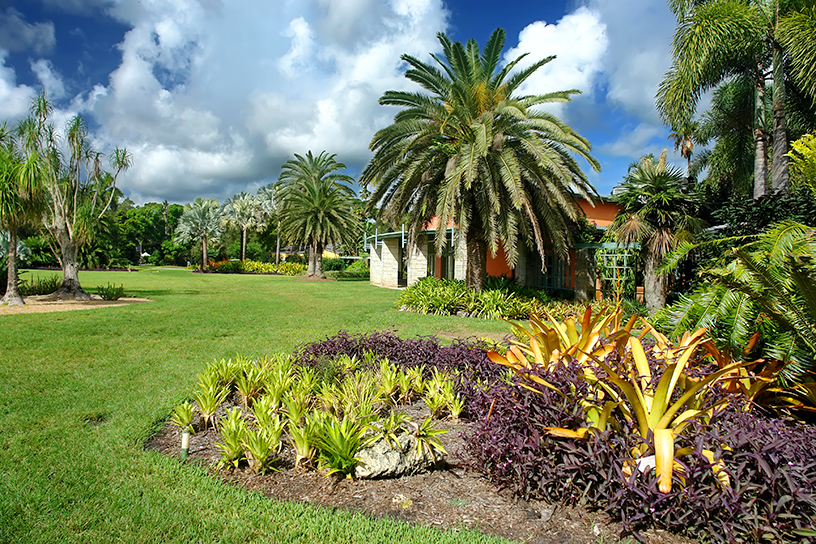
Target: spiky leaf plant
232,429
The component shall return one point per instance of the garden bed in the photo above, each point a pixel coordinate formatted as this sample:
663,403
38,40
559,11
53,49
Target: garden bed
450,498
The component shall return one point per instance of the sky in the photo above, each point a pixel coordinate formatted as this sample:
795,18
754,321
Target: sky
211,97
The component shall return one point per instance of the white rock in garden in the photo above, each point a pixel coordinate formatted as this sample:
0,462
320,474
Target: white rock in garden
381,460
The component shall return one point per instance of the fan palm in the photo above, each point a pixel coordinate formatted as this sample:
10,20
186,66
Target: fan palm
243,210
657,212
684,135
472,154
201,222
21,200
295,173
718,39
318,212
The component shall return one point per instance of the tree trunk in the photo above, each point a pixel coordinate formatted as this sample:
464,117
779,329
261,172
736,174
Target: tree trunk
310,271
277,248
476,264
203,253
779,167
760,142
12,296
243,244
318,268
70,287
654,285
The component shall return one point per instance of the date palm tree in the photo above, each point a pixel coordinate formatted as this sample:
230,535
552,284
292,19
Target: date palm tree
295,173
718,39
318,211
657,212
201,222
244,211
473,153
21,202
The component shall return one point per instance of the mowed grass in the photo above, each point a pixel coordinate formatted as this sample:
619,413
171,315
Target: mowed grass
82,391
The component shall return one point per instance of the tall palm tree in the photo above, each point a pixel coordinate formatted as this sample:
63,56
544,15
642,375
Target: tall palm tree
295,173
201,222
718,39
657,212
684,135
472,153
319,212
243,210
21,200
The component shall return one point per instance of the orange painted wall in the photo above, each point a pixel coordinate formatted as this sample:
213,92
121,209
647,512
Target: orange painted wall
602,214
497,266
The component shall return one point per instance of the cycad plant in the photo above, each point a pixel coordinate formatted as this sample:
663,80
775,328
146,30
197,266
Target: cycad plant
765,286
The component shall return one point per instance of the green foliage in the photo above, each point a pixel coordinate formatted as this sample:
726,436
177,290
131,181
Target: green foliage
260,444
209,397
233,429
291,269
304,437
803,160
356,270
449,297
110,291
183,415
427,438
40,285
331,264
338,443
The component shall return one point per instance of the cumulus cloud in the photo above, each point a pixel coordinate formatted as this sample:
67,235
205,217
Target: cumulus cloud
49,78
18,35
579,43
14,99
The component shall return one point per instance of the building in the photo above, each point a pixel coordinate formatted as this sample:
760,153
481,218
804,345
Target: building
394,264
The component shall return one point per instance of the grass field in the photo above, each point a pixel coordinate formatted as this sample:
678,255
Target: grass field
81,392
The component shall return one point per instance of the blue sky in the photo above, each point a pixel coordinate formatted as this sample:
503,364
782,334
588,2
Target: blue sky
212,96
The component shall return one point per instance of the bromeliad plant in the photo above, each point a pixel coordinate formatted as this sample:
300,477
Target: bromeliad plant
660,399
338,442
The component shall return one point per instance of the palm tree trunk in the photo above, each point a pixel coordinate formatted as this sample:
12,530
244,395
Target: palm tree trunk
203,253
12,296
243,244
310,271
476,265
277,248
779,167
654,285
760,141
318,267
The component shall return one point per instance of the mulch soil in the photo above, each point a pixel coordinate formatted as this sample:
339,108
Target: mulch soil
449,498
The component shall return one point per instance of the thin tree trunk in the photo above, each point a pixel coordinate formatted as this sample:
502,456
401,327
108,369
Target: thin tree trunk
476,265
760,141
12,296
780,175
654,285
243,244
277,248
203,254
70,287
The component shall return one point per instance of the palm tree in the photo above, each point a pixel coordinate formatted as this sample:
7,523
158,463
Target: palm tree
243,210
657,212
471,153
21,199
718,39
201,222
684,135
319,212
269,202
295,173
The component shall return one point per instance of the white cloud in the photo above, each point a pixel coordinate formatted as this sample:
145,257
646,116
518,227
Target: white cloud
14,99
302,49
18,35
49,78
635,142
579,43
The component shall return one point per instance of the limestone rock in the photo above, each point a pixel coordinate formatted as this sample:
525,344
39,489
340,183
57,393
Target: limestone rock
381,460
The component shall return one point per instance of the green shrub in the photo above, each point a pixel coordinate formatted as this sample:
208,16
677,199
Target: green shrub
357,270
331,264
255,267
41,285
110,291
292,269
296,258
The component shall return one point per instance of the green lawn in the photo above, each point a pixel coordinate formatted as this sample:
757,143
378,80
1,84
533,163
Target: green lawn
81,392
